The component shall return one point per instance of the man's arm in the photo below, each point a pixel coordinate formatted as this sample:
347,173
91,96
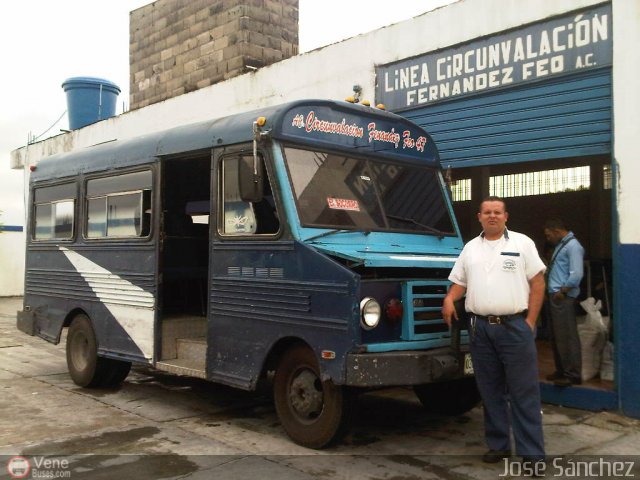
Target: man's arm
536,297
456,292
576,263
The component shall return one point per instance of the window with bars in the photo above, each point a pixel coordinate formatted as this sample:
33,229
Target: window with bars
534,183
460,190
540,183
607,179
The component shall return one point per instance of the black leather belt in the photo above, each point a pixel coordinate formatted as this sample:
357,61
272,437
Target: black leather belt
500,319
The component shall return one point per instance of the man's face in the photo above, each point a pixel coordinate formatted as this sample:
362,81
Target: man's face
552,235
492,217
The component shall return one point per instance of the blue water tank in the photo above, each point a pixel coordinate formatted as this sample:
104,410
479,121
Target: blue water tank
89,100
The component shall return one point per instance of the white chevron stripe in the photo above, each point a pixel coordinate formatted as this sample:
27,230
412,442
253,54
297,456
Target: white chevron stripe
131,306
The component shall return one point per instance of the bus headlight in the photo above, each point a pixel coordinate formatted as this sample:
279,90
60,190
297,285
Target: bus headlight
369,313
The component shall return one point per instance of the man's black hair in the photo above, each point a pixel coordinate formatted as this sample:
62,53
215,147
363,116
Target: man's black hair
493,198
555,224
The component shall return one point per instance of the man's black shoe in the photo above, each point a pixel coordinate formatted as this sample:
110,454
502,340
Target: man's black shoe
554,376
494,456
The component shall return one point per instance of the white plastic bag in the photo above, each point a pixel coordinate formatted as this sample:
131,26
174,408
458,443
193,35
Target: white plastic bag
594,317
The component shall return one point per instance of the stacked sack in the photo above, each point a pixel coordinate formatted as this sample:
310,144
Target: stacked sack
593,338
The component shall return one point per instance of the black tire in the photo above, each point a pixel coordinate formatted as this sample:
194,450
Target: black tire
85,367
312,412
449,398
116,372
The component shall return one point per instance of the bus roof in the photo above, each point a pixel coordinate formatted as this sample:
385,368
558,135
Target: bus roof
326,123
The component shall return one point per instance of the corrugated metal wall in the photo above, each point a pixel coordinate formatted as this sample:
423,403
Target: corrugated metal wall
564,117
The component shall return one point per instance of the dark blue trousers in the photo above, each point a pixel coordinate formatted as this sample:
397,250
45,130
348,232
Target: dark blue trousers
564,338
505,361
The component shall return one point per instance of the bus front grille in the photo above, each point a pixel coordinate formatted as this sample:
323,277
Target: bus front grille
422,302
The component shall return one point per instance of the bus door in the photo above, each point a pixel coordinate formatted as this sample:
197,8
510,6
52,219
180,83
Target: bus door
183,262
248,256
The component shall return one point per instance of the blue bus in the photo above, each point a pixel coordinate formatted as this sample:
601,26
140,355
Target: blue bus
308,244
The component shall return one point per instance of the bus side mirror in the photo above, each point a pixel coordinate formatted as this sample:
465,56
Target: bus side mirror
250,179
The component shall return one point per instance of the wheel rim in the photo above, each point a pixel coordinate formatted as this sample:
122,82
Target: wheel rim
306,395
80,351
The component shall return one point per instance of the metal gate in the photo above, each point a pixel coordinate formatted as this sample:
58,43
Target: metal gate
564,117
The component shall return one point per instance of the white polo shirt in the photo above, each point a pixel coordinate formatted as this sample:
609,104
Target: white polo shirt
496,273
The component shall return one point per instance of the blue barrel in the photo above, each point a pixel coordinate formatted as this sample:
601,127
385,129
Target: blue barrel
89,100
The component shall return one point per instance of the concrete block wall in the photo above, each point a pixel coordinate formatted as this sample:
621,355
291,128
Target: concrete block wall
178,46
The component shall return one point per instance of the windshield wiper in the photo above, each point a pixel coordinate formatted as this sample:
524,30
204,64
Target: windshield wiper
440,233
326,234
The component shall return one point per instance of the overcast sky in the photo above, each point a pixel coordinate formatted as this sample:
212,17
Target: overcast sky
44,42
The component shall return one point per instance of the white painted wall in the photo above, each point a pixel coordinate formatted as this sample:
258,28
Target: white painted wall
12,263
626,115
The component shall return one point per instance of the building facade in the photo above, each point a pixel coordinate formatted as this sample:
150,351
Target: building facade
532,101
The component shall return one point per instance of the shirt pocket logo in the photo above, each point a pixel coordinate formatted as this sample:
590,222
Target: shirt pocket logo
509,265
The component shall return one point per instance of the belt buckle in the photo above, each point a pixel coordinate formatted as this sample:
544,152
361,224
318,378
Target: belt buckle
494,320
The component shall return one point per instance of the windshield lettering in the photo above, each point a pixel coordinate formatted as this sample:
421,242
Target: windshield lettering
383,136
311,123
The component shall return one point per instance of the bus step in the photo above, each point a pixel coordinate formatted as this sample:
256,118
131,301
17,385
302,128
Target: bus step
180,366
191,349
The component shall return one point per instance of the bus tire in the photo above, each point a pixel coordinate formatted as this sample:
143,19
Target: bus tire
116,372
85,367
312,412
449,398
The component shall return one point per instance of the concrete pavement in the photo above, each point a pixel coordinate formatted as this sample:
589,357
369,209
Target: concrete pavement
163,426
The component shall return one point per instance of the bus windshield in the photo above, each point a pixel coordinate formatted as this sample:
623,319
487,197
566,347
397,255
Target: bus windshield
342,192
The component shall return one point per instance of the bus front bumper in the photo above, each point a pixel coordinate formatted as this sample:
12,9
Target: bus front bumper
413,367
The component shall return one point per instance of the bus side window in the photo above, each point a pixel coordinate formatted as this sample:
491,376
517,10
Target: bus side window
54,212
238,217
266,212
119,206
245,218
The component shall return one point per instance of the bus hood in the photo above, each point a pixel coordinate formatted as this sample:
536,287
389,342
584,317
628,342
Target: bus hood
382,256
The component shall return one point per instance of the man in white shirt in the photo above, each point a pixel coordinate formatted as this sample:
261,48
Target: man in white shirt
503,278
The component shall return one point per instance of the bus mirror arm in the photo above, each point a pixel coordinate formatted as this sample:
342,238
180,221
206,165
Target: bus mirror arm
251,184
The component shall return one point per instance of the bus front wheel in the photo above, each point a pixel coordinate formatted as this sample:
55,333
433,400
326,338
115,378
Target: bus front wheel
312,412
86,368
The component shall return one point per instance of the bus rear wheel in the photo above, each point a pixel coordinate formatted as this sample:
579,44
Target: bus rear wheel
86,368
312,412
449,398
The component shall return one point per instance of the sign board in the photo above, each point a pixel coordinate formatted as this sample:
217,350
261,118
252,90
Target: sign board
564,45
357,128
